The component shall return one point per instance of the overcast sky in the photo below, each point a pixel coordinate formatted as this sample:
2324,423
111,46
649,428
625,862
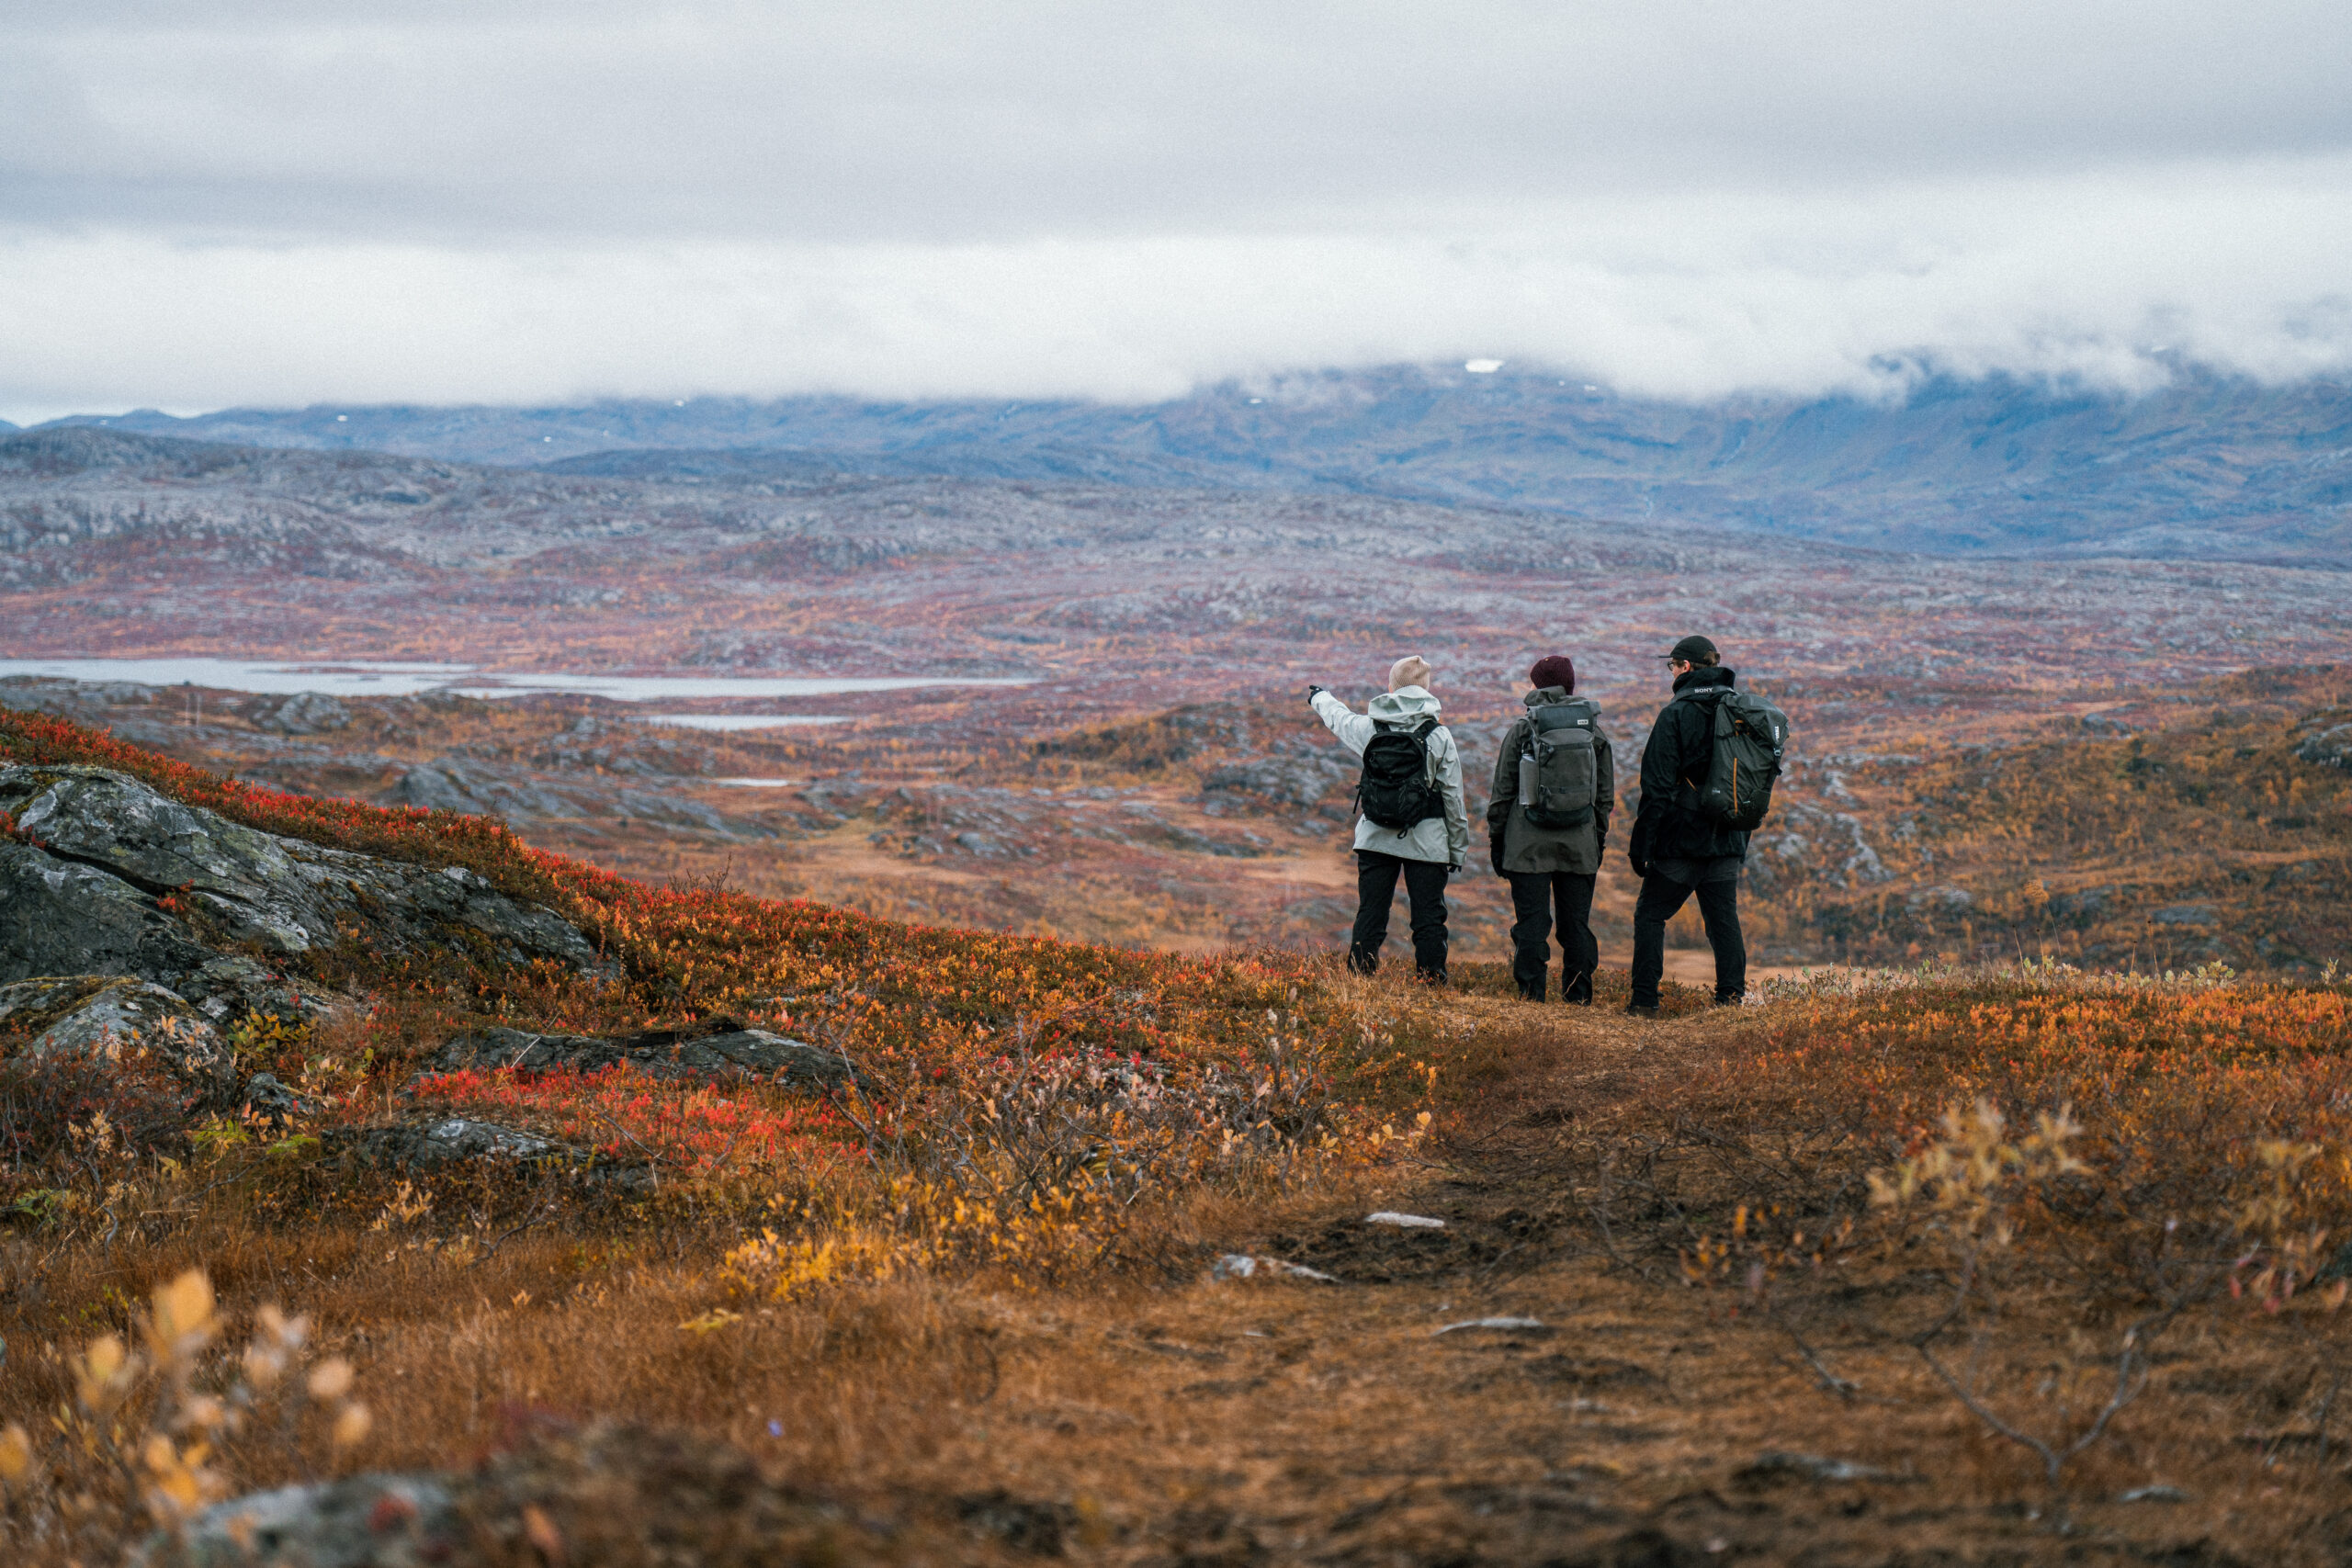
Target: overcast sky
505,201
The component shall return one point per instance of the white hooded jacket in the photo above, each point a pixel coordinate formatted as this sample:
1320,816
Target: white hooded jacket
1445,839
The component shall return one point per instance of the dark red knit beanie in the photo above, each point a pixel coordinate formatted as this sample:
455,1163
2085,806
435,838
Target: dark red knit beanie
1559,671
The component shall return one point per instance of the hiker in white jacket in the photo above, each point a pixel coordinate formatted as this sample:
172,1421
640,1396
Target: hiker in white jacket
1413,823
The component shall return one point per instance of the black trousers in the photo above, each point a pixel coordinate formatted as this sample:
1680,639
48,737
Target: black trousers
1534,894
1376,876
1661,898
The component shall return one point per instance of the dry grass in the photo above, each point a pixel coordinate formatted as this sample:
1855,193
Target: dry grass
969,1312
1161,1418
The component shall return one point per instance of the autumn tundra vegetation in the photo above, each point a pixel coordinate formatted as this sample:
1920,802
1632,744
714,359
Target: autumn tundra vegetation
1950,1261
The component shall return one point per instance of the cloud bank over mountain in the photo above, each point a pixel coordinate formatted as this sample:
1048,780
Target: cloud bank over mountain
511,201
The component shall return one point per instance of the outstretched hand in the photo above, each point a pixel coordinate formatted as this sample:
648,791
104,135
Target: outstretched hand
1313,692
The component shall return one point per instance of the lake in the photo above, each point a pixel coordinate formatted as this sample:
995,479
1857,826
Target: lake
365,677
740,720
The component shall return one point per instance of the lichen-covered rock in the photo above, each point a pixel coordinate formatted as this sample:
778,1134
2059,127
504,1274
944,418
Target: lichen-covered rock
721,1048
446,1138
94,1014
436,1142
265,1096
452,784
58,916
365,1521
89,895
227,986
110,820
2331,748
305,713
607,1492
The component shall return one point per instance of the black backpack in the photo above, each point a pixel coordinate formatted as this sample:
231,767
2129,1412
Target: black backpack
1395,791
1559,771
1751,737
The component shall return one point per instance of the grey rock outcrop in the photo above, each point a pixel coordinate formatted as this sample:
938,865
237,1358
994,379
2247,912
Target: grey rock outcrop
1827,843
470,789
2330,747
87,895
305,713
1296,776
446,1139
424,1144
265,1095
58,917
91,1014
607,1492
1940,900
364,1522
723,1048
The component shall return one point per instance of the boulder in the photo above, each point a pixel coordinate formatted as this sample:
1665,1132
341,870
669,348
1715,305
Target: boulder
607,1492
92,1014
1293,779
58,917
451,783
719,1048
226,987
2331,748
305,713
364,1522
446,1139
265,1096
437,1141
88,895
1940,900
1775,1463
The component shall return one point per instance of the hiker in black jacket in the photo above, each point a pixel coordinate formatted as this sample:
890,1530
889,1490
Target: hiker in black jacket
1675,850
1549,850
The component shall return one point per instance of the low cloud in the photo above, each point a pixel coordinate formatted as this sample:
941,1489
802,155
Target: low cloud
517,200
2104,281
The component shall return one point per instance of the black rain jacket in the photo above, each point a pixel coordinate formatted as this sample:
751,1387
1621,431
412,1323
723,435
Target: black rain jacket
1680,746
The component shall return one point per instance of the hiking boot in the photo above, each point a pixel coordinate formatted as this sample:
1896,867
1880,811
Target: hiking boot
1731,1001
1641,1010
1526,995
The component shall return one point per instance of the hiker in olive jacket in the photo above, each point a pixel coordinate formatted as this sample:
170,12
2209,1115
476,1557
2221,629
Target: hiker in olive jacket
1550,867
1675,850
1424,853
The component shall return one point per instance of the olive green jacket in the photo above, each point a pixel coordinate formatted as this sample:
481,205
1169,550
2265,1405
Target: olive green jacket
1529,849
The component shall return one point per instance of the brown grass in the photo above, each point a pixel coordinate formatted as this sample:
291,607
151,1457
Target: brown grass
1166,1418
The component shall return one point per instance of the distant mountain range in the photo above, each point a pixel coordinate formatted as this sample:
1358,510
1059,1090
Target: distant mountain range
2208,467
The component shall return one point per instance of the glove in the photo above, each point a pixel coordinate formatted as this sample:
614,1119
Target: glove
1454,870
1495,855
1313,692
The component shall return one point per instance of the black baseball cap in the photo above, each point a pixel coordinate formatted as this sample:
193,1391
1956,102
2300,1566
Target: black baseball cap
1689,651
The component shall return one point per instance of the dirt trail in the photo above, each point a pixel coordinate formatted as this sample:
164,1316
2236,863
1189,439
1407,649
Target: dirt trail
1617,1420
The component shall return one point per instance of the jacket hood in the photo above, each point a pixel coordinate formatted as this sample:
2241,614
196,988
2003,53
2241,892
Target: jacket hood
1405,704
1545,696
